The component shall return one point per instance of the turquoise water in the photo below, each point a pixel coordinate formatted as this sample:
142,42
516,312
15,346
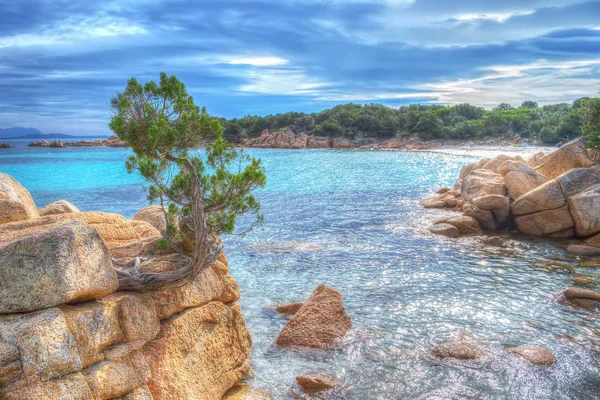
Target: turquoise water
405,290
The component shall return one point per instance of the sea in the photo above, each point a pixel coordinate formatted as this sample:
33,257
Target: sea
351,220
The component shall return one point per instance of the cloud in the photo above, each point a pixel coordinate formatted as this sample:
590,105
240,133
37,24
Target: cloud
258,61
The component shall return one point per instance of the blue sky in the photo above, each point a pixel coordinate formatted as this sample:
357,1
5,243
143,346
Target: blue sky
61,61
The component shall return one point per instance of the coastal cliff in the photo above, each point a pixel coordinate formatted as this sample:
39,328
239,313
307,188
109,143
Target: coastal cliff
553,195
67,333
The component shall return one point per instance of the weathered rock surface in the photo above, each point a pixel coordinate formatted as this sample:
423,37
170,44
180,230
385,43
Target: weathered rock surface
321,322
444,230
465,224
16,203
545,197
585,210
520,179
578,179
481,183
583,250
580,298
154,215
458,349
58,207
485,218
65,264
571,155
316,383
114,229
535,355
544,223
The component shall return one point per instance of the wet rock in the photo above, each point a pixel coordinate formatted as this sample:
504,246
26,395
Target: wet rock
289,308
444,230
316,383
67,263
321,322
535,355
584,280
465,224
544,223
582,250
579,179
585,210
590,263
493,241
482,183
548,196
571,155
58,207
580,298
457,349
521,179
16,203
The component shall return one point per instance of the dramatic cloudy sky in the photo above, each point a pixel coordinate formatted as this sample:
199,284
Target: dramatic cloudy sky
60,61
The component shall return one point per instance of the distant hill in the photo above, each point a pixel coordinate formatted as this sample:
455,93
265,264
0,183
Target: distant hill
18,131
43,136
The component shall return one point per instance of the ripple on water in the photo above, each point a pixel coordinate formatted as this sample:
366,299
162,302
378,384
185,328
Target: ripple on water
405,289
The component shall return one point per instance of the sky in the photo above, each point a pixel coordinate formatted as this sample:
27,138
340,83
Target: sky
62,61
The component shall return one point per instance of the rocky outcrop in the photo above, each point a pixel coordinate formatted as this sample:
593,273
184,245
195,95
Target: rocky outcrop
285,138
46,143
289,308
555,195
316,383
16,203
112,141
58,207
66,334
154,215
6,145
320,322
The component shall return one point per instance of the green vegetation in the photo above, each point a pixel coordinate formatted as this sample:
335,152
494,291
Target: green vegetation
205,195
591,121
546,124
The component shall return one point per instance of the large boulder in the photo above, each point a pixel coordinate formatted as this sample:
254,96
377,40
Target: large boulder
571,155
519,178
533,160
585,210
67,263
482,183
546,222
497,161
321,322
58,207
154,215
580,298
545,197
16,204
579,179
115,229
485,218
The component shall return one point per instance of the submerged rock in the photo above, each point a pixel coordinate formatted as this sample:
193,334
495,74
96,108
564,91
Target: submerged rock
16,203
58,207
580,298
316,383
321,322
289,308
67,263
465,224
458,349
493,241
444,230
535,355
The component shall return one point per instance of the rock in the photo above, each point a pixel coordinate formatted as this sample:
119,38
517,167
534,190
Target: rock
491,202
71,387
316,383
58,207
242,391
67,263
590,264
153,215
533,160
45,143
282,139
338,143
482,183
585,210
578,179
583,280
433,202
565,233
199,354
321,322
580,298
493,241
6,145
535,355
289,308
593,241
141,393
544,223
444,230
522,180
485,218
497,161
114,229
16,203
466,170
571,155
465,224
458,349
442,190
545,197
581,250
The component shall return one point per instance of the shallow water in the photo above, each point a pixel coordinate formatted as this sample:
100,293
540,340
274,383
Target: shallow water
351,220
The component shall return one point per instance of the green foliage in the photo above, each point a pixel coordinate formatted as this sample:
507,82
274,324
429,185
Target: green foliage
591,121
163,126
